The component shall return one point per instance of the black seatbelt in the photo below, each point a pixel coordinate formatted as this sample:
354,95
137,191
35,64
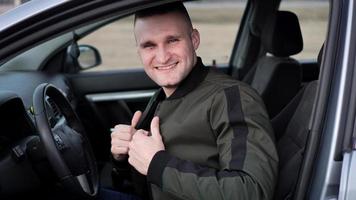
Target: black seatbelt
142,187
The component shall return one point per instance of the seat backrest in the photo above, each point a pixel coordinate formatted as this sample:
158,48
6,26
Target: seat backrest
291,129
292,143
277,74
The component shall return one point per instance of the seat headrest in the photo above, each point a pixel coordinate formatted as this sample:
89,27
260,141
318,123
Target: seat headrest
282,36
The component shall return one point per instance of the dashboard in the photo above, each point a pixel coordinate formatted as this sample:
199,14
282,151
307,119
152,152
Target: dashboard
16,90
23,165
14,121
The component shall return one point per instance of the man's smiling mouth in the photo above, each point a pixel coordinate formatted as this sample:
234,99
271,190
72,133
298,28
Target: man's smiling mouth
166,67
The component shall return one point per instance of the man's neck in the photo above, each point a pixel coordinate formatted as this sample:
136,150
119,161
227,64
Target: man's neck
169,91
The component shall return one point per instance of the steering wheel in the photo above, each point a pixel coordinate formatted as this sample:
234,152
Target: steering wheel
67,148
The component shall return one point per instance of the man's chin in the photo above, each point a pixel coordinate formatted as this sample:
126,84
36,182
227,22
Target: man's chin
169,86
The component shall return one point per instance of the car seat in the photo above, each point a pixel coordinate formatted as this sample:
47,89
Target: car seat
291,127
291,144
276,76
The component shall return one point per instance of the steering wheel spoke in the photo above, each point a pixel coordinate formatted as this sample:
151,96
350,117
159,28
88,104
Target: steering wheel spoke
85,182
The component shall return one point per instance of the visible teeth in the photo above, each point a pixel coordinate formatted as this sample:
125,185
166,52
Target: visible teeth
166,66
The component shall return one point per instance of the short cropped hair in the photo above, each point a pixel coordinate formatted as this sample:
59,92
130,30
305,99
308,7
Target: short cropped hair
177,7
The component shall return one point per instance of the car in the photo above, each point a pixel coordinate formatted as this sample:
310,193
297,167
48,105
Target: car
69,73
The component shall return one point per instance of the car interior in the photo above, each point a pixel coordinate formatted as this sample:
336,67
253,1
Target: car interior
44,87
278,73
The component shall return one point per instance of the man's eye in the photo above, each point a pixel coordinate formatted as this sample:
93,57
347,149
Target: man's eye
147,46
173,40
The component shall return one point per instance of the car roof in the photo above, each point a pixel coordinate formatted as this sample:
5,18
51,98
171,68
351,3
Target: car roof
27,10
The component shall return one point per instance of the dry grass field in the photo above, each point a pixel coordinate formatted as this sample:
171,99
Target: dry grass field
116,43
218,25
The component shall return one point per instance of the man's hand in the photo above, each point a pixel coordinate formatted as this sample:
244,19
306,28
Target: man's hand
122,136
142,147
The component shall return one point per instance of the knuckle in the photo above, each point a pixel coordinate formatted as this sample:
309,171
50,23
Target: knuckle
123,150
115,134
121,127
118,126
134,136
125,137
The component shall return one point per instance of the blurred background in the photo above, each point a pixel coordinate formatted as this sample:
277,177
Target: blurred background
217,22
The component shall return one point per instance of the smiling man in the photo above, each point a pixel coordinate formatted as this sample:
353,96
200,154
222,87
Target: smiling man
167,47
211,137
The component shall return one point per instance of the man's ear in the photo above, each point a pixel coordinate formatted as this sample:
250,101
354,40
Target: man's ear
195,38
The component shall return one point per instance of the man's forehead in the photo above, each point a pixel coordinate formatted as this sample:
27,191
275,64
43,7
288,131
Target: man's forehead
158,19
159,26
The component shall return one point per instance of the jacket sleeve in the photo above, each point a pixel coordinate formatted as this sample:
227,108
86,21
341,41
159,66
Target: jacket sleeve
247,154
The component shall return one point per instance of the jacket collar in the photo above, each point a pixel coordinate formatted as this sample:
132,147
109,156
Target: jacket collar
194,78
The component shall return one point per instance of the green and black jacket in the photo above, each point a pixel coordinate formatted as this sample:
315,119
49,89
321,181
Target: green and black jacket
218,139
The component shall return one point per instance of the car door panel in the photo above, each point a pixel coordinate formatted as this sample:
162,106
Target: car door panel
109,98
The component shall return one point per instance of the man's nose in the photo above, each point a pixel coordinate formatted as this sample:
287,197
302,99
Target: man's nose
163,55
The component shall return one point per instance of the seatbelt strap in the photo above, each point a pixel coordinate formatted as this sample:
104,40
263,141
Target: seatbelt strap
138,179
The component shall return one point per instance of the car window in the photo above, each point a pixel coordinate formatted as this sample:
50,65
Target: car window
217,23
313,19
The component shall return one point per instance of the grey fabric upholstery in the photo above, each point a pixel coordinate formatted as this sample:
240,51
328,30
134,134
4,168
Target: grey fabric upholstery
292,143
278,77
291,130
277,80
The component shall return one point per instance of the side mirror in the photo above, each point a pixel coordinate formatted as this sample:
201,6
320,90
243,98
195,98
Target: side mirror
89,57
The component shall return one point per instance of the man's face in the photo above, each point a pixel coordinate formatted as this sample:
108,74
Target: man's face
166,45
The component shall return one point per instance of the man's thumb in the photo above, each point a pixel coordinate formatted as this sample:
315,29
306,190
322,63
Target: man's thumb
136,117
155,127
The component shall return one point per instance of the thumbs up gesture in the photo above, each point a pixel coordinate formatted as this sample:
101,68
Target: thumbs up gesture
121,137
142,147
